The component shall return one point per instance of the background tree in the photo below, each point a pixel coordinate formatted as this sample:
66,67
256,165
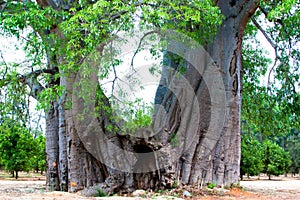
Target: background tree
276,160
16,149
290,142
268,103
39,158
251,156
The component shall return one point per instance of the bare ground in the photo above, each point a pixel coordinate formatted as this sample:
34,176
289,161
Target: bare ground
277,188
33,187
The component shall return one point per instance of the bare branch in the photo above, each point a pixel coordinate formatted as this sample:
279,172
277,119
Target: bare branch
139,46
114,68
264,11
269,75
6,66
275,47
264,33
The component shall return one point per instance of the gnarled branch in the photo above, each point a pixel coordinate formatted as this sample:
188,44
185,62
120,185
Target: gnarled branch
30,79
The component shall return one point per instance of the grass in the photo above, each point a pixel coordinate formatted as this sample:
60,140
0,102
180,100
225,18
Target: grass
101,193
211,185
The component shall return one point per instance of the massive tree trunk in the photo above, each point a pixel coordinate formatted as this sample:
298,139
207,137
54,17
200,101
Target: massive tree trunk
213,155
226,51
119,162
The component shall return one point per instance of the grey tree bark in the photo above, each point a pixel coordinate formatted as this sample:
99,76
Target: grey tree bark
220,164
52,147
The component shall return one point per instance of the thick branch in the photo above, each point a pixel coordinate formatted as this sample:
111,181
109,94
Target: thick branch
30,79
247,10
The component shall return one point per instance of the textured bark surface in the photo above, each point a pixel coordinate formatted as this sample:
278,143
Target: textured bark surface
211,158
75,160
226,52
52,147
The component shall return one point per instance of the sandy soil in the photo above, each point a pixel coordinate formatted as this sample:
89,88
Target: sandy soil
278,188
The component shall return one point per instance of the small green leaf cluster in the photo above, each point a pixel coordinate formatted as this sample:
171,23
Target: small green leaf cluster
101,193
211,185
49,95
136,115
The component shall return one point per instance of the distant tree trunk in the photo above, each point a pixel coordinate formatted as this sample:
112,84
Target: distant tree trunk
17,175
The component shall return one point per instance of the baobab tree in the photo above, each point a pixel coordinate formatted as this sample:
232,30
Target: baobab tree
85,146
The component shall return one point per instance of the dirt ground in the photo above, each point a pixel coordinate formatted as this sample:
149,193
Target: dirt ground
32,187
277,188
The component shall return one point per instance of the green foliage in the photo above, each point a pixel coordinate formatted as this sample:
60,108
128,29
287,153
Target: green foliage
174,140
13,103
266,157
39,158
16,148
276,160
137,115
49,95
252,156
100,193
66,37
291,143
262,110
211,185
282,9
270,103
19,150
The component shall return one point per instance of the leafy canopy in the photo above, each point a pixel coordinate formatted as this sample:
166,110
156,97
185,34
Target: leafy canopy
57,40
